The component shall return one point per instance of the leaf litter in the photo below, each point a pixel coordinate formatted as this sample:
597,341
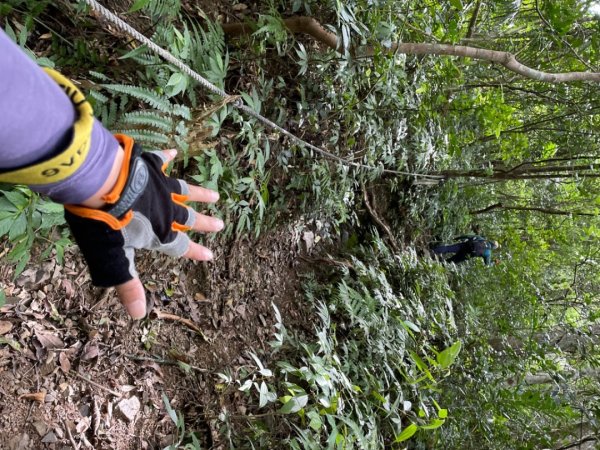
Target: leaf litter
63,357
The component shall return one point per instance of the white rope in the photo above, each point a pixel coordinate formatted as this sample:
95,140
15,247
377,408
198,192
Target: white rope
125,27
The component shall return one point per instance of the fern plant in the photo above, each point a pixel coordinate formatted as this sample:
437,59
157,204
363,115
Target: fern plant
150,118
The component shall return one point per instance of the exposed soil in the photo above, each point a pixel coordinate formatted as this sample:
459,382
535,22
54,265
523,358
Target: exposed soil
56,330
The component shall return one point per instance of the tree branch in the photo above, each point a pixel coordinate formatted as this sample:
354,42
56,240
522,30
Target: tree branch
486,209
473,20
551,211
312,27
592,437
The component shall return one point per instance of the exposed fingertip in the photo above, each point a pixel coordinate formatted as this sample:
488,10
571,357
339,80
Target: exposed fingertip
214,196
136,308
172,153
132,296
219,224
207,254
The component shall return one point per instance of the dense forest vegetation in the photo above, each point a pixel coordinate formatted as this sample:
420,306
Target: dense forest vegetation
400,350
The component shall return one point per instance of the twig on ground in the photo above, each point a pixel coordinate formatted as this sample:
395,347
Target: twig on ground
191,325
102,298
73,443
93,383
167,362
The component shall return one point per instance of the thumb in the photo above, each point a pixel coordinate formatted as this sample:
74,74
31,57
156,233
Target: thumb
133,298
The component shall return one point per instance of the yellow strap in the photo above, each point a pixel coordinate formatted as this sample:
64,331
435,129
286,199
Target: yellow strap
68,161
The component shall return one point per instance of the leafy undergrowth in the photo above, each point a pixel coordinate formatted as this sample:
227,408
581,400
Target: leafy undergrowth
371,374
375,348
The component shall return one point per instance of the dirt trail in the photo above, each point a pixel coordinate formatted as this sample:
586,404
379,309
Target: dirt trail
56,329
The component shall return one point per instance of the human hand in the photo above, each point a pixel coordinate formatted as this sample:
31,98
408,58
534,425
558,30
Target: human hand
145,209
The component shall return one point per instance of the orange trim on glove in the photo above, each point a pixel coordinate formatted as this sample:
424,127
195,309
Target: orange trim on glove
114,194
176,226
179,199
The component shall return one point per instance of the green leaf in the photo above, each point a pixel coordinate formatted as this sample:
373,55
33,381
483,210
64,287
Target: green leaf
411,325
407,433
5,226
263,395
435,423
18,228
14,344
295,404
137,5
50,207
175,79
2,298
172,414
133,53
315,420
16,198
195,441
421,365
447,357
176,84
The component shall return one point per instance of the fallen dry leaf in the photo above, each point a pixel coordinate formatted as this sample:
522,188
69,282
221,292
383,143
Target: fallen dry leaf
153,366
39,397
65,364
49,340
5,327
96,417
90,351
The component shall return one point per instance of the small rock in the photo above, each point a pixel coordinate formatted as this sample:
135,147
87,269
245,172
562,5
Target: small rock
84,410
50,438
129,408
40,427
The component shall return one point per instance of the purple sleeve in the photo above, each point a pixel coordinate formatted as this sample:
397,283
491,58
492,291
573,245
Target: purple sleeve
35,123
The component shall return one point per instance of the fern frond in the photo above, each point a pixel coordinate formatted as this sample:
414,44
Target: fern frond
149,118
146,136
142,94
98,75
98,96
182,111
163,8
181,128
146,59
